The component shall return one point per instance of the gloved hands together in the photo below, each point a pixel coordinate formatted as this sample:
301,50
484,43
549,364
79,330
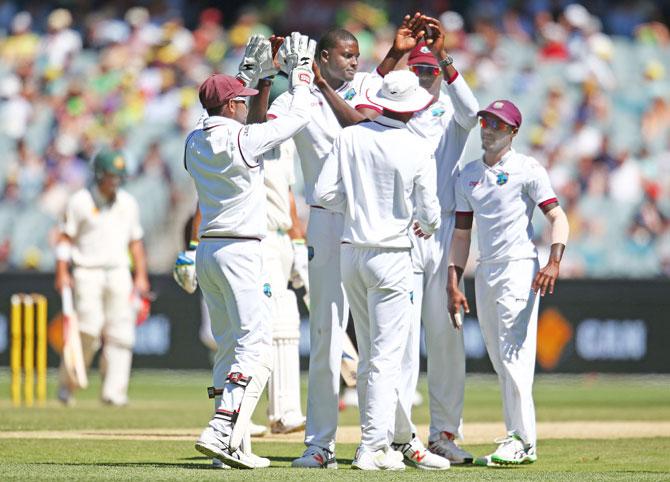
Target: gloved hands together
184,271
299,277
257,61
296,55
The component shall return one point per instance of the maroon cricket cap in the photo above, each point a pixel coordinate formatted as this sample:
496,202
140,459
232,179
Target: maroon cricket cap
421,54
220,88
505,111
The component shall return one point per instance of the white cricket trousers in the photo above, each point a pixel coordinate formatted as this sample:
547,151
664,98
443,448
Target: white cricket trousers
230,276
445,348
284,383
328,316
102,301
507,311
378,283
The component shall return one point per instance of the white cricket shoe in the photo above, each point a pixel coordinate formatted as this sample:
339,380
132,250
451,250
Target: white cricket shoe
316,458
256,430
447,448
512,451
214,444
259,462
416,455
289,424
378,460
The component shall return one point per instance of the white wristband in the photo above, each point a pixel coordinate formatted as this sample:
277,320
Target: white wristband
64,251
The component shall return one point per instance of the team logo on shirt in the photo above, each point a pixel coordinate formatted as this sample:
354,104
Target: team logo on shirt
350,94
438,111
267,290
502,178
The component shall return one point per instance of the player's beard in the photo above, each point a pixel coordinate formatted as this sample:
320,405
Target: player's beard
495,143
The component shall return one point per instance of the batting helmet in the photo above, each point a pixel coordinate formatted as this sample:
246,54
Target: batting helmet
111,162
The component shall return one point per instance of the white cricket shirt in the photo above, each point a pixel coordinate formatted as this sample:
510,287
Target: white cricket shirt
279,177
502,198
225,160
446,124
100,231
315,141
376,173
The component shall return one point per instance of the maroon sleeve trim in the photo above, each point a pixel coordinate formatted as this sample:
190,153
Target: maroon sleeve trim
239,146
466,214
379,72
270,116
451,79
368,106
548,201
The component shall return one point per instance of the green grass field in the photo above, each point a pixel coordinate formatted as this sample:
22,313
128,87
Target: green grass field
167,408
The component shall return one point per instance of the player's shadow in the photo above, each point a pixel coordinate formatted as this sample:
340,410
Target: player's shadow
170,465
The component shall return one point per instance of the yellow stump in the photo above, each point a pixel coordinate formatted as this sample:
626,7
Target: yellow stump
41,348
16,350
29,349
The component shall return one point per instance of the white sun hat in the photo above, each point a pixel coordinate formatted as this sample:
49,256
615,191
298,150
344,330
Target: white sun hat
401,93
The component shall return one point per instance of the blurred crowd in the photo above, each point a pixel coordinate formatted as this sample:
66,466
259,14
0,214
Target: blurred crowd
591,80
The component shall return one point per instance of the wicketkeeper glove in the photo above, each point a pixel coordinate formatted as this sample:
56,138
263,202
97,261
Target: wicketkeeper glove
299,276
297,54
184,271
251,67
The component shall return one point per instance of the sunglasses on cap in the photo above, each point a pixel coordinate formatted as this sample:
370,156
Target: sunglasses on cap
425,70
240,99
493,123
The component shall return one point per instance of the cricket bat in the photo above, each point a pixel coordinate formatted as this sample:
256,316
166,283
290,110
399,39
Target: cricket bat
73,356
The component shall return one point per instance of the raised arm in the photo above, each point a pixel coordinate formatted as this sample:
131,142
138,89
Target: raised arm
464,101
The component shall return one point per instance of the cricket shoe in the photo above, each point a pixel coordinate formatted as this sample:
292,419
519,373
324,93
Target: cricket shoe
256,430
416,455
512,451
316,458
446,447
259,462
214,444
65,397
486,461
378,460
289,424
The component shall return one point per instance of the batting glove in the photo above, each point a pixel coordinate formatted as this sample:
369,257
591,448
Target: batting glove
297,53
250,67
299,277
184,271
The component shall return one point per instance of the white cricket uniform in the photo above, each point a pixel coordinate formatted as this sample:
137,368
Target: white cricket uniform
502,198
446,124
277,249
375,173
329,310
101,232
225,160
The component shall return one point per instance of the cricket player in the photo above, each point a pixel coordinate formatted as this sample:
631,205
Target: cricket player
100,227
224,158
500,191
333,95
446,123
375,173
